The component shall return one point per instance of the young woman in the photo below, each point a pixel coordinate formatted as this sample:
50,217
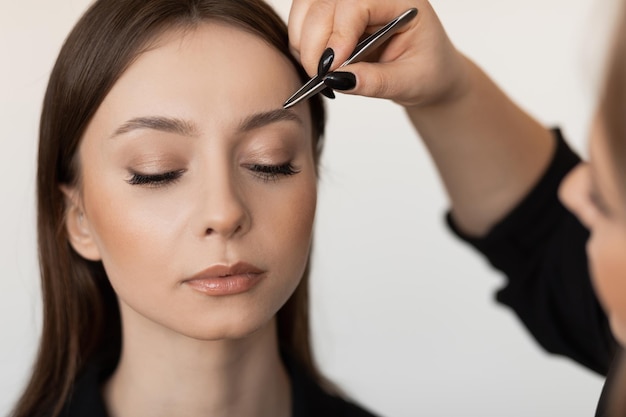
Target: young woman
503,172
175,209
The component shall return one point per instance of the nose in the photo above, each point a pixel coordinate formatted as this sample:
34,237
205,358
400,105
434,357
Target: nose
224,212
574,193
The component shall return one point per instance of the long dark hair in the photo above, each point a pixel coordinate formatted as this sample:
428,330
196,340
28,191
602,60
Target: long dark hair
612,113
81,318
613,100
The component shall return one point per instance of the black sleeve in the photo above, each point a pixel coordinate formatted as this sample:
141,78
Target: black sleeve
540,247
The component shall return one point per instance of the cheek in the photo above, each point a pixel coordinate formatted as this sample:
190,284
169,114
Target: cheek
606,250
286,228
284,219
132,229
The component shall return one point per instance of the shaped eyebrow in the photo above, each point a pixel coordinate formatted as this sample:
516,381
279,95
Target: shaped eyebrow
262,119
161,123
188,128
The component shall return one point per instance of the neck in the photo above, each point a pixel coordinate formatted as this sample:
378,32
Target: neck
163,373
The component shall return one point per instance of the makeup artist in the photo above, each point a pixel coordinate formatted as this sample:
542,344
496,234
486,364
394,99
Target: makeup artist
509,179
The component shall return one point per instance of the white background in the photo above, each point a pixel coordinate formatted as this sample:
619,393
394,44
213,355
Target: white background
404,317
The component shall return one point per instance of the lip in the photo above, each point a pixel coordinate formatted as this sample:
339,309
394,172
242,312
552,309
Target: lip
221,280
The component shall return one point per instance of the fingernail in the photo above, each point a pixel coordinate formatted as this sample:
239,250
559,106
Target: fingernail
325,62
328,92
340,80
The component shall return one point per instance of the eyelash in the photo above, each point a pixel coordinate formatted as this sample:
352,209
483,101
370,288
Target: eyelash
264,172
272,172
155,180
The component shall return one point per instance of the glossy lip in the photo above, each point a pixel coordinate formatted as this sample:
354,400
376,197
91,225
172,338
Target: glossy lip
220,280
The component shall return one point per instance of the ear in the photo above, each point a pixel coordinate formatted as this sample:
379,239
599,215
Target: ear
77,226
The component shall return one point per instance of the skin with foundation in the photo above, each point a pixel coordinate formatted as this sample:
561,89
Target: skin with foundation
198,196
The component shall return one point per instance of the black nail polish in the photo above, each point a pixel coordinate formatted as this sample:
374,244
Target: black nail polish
340,80
328,92
325,62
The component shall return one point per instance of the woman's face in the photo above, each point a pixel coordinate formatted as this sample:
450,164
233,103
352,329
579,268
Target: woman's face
592,192
198,189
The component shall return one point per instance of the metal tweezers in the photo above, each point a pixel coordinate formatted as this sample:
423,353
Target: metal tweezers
316,84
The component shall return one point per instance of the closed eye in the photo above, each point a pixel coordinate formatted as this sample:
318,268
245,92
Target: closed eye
272,172
155,180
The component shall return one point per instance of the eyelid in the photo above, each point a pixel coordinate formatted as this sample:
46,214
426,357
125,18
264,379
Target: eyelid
272,172
155,180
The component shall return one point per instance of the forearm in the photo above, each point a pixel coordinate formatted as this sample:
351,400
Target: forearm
488,151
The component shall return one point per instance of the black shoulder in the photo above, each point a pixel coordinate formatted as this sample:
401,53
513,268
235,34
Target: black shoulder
311,400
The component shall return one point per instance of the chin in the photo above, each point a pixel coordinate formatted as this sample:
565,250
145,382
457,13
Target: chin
230,329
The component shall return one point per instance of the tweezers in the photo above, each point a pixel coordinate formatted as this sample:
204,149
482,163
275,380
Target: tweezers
316,84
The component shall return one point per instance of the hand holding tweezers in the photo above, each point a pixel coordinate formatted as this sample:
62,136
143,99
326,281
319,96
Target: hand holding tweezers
316,84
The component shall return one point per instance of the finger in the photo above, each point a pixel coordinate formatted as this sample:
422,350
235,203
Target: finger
354,18
339,25
350,22
316,29
297,13
387,81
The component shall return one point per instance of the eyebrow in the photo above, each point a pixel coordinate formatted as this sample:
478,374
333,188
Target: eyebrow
164,124
187,128
262,119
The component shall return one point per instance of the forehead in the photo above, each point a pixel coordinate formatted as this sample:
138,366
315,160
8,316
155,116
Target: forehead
215,74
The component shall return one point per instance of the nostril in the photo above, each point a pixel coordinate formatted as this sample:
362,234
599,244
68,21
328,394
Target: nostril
210,230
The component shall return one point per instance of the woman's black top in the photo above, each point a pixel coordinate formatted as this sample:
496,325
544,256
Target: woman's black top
540,247
308,398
